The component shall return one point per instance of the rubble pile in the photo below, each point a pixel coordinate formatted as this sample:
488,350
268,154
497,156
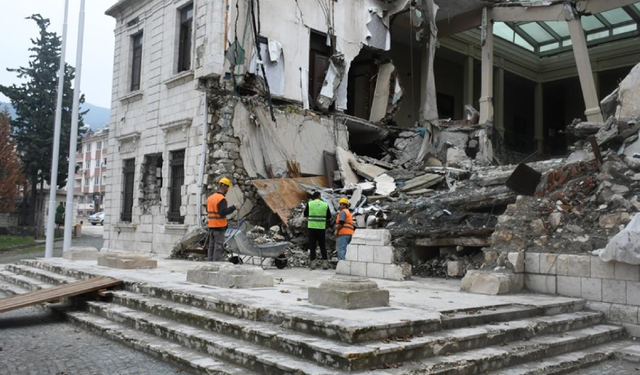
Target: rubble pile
580,205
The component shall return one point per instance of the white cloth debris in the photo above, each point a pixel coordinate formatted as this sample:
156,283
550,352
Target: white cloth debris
624,247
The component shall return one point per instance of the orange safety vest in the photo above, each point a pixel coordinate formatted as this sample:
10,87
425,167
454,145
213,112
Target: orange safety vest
347,228
215,219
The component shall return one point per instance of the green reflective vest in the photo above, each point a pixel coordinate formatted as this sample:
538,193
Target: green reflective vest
318,214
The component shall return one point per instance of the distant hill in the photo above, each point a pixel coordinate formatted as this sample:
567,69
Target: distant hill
97,118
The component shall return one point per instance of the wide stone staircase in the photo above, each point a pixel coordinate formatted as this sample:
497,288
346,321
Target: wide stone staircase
214,337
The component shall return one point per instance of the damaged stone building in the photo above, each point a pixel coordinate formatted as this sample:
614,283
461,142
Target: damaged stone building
261,90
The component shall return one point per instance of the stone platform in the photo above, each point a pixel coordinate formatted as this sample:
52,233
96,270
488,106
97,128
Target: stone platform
126,261
350,293
227,275
428,327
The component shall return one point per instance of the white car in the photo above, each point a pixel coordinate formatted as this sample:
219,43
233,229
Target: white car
97,218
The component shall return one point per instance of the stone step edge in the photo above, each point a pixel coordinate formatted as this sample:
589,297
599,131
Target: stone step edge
284,339
24,282
41,275
513,354
320,325
567,363
261,360
162,349
532,348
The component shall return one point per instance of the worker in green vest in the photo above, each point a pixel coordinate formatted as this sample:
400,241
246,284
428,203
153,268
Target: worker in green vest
317,213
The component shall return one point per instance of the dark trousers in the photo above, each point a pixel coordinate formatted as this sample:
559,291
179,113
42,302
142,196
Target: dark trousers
316,237
216,244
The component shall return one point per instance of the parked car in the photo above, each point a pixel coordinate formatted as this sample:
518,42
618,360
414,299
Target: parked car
97,218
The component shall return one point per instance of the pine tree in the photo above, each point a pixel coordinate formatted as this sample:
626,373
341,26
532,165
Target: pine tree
11,176
34,101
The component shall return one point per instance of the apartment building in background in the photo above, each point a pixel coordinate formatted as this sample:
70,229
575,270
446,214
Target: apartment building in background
91,169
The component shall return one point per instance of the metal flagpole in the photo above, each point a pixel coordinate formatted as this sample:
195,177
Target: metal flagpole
48,253
68,219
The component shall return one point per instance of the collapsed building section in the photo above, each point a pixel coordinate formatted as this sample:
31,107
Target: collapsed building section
372,99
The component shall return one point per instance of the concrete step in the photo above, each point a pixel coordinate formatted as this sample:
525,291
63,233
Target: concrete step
25,282
41,275
356,356
567,363
505,313
538,348
163,349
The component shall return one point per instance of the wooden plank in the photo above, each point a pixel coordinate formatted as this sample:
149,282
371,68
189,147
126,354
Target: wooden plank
56,293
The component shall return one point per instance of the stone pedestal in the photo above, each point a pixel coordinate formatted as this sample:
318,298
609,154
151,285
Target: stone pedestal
227,275
349,293
127,261
81,253
483,282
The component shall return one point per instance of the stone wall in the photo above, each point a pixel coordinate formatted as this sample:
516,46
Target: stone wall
370,254
610,287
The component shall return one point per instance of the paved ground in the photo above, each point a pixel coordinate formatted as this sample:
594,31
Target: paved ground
33,342
91,236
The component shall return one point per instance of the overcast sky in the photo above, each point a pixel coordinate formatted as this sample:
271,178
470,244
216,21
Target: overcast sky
97,63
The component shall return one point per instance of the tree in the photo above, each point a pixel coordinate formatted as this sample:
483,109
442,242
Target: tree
34,101
11,176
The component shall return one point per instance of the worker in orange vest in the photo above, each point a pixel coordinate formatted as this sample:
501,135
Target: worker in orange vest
344,228
217,212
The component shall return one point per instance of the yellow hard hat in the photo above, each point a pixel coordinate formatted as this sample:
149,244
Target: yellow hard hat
224,181
344,201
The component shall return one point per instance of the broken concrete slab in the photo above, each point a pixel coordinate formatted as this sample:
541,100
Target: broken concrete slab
368,171
81,253
423,182
385,185
127,261
493,283
629,96
344,159
349,293
381,95
227,275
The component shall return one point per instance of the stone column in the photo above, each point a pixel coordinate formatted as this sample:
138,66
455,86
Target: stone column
486,98
499,101
581,52
539,116
468,81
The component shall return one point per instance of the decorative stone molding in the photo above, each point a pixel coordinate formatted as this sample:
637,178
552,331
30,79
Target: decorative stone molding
171,130
179,79
128,142
133,96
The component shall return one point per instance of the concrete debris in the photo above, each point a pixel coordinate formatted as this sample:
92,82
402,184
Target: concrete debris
335,75
629,95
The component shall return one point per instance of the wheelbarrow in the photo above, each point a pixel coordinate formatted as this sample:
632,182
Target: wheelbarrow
245,250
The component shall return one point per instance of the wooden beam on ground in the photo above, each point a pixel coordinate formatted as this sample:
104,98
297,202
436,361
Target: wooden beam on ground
57,293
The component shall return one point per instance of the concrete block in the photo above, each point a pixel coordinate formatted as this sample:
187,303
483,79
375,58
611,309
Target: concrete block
602,307
532,262
352,252
591,289
81,253
633,293
359,269
227,275
383,254
624,314
455,269
579,265
562,265
569,286
397,272
343,267
624,271
540,283
377,237
614,291
548,263
349,293
492,283
127,261
375,270
601,269
365,253
517,261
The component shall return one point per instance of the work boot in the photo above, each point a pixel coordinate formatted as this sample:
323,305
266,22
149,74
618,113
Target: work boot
325,264
312,265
